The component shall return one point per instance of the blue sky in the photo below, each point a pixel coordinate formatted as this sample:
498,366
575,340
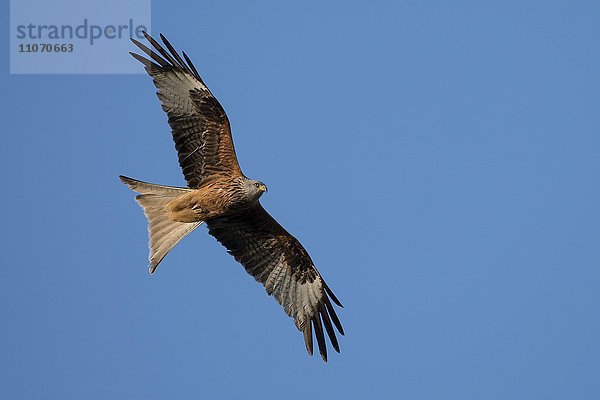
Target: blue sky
439,161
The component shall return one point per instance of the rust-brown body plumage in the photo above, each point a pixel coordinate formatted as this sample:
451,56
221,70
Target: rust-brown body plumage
217,198
219,194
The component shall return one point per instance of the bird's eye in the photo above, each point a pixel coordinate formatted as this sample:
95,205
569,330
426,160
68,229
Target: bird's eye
256,184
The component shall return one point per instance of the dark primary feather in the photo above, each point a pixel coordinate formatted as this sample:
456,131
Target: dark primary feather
200,127
278,261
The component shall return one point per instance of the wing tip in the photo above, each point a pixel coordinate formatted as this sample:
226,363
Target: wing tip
320,336
334,317
329,328
321,322
147,35
333,296
308,342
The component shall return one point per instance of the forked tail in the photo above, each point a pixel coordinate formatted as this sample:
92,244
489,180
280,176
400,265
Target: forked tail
163,233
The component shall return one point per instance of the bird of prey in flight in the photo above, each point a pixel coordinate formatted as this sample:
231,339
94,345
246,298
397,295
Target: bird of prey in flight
220,195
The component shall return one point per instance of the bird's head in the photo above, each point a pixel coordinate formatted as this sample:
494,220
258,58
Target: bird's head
255,189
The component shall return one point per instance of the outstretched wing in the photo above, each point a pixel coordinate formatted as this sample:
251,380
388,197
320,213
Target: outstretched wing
278,261
199,124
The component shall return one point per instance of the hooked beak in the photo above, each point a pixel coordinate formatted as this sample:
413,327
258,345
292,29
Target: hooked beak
263,188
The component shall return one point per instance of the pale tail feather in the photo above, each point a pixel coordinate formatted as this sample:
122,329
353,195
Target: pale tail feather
163,233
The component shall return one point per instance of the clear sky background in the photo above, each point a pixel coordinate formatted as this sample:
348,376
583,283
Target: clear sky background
439,160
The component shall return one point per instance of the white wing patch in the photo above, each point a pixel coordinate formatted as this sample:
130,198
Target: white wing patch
174,92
